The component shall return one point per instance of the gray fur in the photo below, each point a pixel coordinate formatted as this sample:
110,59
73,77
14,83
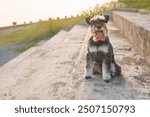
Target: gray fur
100,56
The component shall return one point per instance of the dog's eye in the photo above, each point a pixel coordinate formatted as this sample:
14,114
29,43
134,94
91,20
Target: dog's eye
92,22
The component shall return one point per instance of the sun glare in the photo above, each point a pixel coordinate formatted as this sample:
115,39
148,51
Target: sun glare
33,10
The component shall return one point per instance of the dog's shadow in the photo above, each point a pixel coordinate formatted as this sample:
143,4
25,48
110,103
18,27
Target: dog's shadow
97,79
98,89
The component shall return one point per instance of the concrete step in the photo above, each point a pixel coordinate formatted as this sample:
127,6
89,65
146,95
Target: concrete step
55,70
48,64
136,28
27,53
10,71
133,84
54,38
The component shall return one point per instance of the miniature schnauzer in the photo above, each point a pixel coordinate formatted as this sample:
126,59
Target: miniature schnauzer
100,56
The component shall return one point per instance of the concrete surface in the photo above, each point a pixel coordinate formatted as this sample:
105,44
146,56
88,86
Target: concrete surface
55,70
136,28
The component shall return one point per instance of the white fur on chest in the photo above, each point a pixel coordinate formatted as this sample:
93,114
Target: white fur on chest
102,48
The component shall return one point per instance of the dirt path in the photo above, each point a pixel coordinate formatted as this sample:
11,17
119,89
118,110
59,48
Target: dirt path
56,69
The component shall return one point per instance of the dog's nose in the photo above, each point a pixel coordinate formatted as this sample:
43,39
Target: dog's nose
99,27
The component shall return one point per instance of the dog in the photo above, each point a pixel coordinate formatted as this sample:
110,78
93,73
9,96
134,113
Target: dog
100,57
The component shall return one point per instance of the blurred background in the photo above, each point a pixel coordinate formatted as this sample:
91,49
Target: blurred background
33,10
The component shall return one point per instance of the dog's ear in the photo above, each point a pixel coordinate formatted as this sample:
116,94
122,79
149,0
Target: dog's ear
106,18
88,20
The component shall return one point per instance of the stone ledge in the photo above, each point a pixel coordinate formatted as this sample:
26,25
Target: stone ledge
144,12
136,28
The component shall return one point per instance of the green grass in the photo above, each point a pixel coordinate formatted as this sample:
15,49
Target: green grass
30,35
139,4
101,8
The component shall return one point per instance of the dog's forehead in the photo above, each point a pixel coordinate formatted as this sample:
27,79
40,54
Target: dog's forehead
98,17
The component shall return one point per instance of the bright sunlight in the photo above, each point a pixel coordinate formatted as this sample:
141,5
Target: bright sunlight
32,10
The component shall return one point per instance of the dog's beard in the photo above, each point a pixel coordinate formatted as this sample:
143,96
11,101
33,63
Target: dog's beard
99,34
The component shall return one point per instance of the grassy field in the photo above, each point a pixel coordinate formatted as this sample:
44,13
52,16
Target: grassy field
30,35
140,4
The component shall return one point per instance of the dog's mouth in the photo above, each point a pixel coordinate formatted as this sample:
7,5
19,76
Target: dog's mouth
98,36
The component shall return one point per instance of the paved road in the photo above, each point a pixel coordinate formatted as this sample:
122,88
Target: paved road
8,52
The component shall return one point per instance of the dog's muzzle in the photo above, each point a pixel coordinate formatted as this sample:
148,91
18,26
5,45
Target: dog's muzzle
98,36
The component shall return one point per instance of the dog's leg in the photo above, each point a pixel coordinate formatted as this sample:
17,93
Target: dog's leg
106,68
118,70
115,68
89,67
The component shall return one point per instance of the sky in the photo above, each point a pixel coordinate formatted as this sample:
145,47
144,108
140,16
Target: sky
22,11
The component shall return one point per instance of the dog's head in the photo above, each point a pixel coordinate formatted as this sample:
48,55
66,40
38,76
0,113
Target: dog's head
98,27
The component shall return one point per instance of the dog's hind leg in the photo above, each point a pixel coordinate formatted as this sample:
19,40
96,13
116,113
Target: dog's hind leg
118,70
115,68
89,67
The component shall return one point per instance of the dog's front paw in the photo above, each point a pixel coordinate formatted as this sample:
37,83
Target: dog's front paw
107,81
107,78
88,77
